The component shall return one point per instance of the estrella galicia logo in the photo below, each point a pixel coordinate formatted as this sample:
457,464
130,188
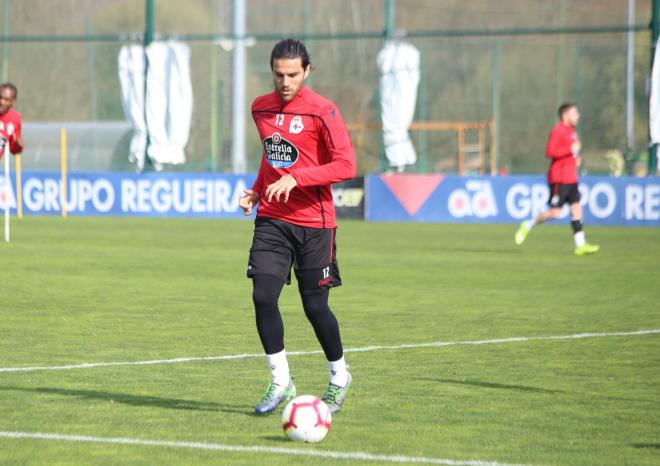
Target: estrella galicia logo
280,153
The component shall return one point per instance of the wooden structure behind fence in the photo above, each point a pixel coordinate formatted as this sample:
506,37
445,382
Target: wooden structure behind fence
485,130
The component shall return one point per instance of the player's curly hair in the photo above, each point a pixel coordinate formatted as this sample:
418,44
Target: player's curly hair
290,49
10,86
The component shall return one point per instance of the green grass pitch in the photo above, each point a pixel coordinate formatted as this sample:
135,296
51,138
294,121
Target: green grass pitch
103,290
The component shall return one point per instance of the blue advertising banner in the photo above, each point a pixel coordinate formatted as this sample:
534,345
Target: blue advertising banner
509,199
126,194
405,197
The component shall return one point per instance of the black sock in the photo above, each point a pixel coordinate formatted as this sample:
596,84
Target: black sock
576,225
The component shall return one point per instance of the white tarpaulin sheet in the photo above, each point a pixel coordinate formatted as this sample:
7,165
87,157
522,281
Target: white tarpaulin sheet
166,121
654,101
399,77
131,79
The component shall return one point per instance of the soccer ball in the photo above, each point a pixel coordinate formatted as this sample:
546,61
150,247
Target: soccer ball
306,419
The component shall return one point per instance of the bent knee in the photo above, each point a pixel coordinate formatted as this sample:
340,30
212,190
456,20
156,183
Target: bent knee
266,291
315,303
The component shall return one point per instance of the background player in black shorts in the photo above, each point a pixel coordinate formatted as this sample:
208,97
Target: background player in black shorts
563,149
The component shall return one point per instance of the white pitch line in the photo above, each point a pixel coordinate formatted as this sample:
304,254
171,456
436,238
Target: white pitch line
576,336
136,363
360,456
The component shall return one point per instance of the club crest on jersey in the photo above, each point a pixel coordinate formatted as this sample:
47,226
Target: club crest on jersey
280,153
296,126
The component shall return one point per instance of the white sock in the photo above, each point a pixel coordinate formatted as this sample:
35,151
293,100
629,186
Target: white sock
579,239
338,372
531,223
279,368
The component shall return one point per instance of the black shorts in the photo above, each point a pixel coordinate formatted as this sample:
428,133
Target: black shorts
278,245
560,194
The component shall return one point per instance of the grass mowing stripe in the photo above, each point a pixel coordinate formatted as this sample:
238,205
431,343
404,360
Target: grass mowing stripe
359,456
576,336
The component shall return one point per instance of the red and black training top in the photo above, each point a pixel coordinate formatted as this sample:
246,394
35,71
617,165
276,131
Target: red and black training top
563,169
308,139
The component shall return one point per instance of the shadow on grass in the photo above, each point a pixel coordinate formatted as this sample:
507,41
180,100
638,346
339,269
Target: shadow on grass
500,386
523,388
652,446
277,438
138,400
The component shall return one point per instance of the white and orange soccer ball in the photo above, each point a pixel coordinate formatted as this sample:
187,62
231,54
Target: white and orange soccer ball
306,419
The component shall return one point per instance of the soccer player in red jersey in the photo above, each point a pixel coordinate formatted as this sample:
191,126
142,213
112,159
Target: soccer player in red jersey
563,149
306,148
10,119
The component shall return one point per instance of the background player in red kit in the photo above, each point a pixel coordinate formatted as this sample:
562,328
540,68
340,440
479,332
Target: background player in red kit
563,149
10,119
306,148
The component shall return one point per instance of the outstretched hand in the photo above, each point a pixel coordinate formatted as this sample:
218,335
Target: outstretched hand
282,186
248,201
15,138
576,147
